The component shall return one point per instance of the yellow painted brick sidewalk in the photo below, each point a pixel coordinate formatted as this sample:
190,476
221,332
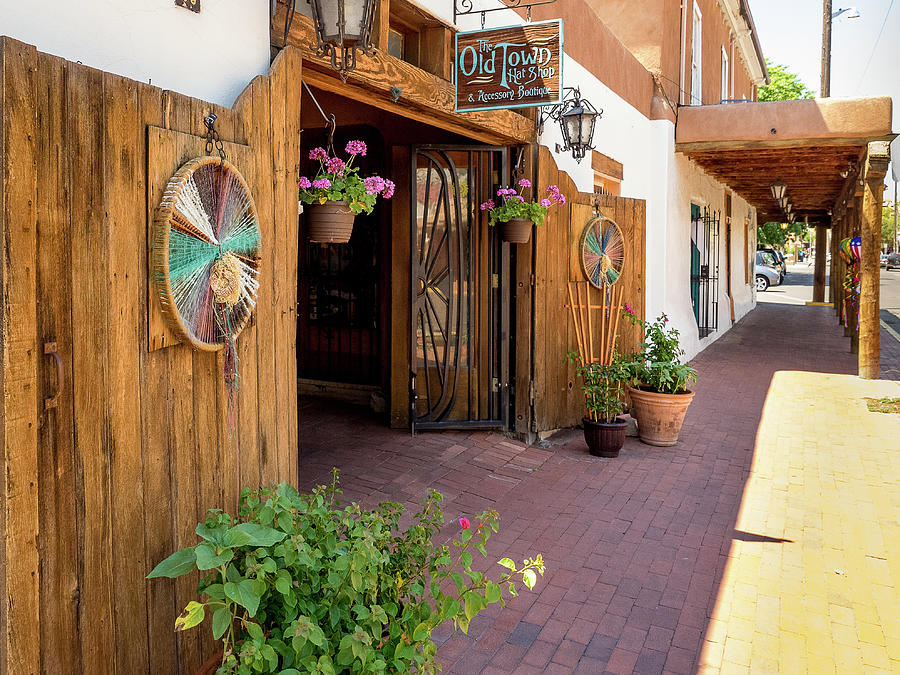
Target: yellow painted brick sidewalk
813,578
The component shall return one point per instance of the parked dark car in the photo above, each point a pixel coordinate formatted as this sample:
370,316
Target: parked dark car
893,261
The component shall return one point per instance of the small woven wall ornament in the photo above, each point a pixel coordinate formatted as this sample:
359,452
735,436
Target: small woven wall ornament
602,251
206,255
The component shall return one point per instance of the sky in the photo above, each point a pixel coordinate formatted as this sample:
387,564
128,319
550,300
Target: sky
790,32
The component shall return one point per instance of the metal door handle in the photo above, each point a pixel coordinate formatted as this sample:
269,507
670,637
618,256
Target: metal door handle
50,350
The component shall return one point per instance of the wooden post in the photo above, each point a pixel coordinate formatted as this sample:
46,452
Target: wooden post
821,253
870,268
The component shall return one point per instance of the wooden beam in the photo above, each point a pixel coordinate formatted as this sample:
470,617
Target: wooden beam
870,268
424,97
819,273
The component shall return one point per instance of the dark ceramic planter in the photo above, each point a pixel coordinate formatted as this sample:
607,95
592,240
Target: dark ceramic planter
329,223
604,440
516,231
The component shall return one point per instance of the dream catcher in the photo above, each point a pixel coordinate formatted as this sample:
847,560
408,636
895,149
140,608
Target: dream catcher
850,250
602,252
206,255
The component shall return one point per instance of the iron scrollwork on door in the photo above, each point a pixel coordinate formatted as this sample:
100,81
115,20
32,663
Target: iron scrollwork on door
457,348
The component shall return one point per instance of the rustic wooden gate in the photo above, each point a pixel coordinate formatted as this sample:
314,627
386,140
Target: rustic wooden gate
114,436
557,396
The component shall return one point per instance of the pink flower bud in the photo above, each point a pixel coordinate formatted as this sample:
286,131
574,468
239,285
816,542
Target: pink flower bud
464,523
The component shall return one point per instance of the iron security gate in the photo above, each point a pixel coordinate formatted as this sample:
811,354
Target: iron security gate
459,290
705,268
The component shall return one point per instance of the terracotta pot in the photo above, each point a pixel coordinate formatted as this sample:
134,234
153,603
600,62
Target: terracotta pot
516,231
604,439
659,416
329,223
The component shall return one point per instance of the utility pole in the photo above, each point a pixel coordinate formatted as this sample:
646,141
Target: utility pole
825,86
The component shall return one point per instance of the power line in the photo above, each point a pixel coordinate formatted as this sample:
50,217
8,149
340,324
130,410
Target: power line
875,46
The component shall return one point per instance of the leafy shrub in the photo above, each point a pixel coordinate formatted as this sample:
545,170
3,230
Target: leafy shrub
298,584
658,365
603,386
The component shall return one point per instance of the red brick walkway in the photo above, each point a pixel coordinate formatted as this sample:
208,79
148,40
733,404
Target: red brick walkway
635,546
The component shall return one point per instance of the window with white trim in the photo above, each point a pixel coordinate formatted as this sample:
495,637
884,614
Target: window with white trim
696,58
725,95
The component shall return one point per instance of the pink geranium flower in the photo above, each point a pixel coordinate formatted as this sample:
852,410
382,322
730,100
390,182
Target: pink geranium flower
464,523
388,189
321,183
303,182
335,165
318,153
488,205
356,148
524,183
545,203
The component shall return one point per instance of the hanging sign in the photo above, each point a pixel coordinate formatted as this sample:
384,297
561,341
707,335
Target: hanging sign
512,67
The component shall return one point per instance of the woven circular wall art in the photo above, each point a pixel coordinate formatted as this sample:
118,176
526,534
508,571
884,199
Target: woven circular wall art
206,253
602,251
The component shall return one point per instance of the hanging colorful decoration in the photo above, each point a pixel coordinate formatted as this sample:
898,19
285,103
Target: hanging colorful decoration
850,250
602,251
206,255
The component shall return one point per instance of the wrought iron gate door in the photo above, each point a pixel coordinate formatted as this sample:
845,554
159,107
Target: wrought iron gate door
705,269
459,316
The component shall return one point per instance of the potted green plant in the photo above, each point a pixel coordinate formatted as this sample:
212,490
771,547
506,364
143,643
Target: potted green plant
338,193
603,387
298,584
516,215
659,393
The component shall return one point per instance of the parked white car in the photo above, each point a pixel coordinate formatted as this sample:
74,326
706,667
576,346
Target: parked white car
766,272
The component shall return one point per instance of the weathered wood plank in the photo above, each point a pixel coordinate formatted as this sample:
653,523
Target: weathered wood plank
246,398
265,186
285,96
523,319
18,327
89,348
60,648
400,291
125,255
547,175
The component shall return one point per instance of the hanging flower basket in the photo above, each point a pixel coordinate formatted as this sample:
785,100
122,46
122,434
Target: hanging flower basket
329,223
515,216
338,193
516,230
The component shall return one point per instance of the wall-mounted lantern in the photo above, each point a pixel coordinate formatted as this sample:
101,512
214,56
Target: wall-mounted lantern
577,118
342,27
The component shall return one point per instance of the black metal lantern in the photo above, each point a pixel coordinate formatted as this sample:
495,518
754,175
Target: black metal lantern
577,124
342,27
778,191
577,118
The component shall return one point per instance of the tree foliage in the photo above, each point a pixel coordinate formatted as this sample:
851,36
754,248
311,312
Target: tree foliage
783,85
887,224
772,234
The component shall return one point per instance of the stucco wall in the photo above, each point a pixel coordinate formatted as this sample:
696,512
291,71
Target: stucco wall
211,55
690,184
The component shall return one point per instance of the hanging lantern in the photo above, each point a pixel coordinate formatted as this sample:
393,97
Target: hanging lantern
577,120
778,191
342,27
